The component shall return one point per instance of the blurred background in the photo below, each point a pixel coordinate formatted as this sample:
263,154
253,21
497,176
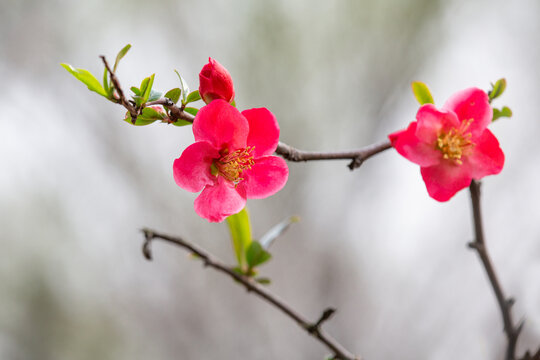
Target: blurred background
77,183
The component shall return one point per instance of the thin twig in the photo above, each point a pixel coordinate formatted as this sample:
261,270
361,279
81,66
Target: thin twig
357,156
175,111
505,304
313,329
121,98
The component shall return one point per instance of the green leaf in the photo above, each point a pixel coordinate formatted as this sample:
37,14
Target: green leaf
193,96
240,229
256,255
136,90
120,55
181,122
263,281
174,94
145,94
268,238
87,78
106,87
422,93
504,112
154,95
497,89
183,86
192,111
150,114
141,121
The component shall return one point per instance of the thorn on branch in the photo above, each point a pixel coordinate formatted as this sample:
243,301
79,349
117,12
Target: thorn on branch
326,315
356,163
147,251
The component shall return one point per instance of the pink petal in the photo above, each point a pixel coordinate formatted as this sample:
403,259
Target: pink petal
265,178
215,82
222,125
445,179
412,148
192,169
263,131
432,121
487,157
217,202
471,103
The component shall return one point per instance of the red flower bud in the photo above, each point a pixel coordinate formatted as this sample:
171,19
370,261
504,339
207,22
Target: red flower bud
215,82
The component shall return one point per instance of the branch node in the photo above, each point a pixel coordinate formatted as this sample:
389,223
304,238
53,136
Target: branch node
356,163
510,302
326,315
147,251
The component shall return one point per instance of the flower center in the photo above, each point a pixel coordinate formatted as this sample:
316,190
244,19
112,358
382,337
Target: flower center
456,143
231,165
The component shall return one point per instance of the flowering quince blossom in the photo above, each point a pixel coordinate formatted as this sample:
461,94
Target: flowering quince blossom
215,82
230,160
452,145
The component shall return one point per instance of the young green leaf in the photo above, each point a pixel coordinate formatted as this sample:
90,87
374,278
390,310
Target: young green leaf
87,78
240,229
181,122
192,111
136,90
504,112
120,55
140,121
263,280
422,93
174,94
268,238
497,89
256,255
145,94
150,114
106,87
193,96
183,86
154,95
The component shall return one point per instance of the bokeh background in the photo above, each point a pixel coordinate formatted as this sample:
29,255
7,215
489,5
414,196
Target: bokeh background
77,183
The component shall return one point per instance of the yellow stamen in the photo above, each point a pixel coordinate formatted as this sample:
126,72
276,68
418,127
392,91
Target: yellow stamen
456,143
231,165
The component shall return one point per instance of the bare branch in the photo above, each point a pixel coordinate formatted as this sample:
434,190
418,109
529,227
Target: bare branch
313,329
505,304
357,156
121,98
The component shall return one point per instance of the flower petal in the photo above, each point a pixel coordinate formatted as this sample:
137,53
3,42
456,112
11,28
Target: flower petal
217,202
215,82
487,157
263,131
471,103
412,148
266,177
222,125
192,169
445,179
431,121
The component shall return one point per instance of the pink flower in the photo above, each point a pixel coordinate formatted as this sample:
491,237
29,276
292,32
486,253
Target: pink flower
452,145
215,82
230,160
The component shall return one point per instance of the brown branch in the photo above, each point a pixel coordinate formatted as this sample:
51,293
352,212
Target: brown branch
176,112
121,98
313,329
357,157
505,304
